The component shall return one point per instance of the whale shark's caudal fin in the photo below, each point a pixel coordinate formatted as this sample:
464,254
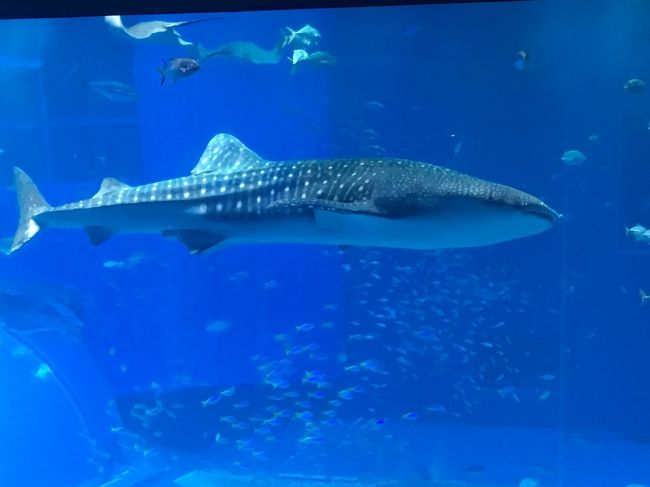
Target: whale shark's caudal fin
30,203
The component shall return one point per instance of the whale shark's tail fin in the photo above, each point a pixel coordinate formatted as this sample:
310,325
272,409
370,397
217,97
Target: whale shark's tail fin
30,204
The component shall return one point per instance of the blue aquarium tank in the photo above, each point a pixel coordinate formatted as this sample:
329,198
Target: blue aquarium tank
353,246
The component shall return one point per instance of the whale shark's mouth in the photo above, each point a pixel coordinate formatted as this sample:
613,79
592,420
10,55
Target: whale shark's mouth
543,212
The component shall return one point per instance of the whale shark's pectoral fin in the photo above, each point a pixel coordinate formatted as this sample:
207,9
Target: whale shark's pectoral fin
98,235
196,241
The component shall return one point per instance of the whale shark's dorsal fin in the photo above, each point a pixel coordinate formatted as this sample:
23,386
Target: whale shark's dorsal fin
225,154
109,185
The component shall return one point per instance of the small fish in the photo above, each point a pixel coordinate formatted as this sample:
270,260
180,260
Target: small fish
573,158
114,91
304,327
346,394
637,231
214,398
635,86
375,106
42,372
437,408
228,392
242,404
522,59
547,377
509,391
318,58
178,68
311,440
371,365
644,297
227,419
220,440
311,376
306,36
411,416
305,415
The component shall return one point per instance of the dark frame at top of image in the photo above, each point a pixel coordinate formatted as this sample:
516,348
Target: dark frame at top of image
12,9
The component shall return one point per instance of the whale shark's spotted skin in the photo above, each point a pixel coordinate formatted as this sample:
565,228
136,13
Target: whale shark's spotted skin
232,191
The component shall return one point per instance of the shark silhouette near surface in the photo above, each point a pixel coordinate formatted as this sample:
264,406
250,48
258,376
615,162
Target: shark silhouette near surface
235,196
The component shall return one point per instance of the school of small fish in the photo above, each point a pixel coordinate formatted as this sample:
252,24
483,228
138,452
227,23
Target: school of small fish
438,334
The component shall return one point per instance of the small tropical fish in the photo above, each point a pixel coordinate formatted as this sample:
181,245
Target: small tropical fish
213,399
306,36
635,86
178,68
437,408
114,91
371,365
305,415
311,440
522,58
411,416
300,56
644,297
374,105
228,392
573,158
305,327
346,394
547,377
638,232
228,419
43,371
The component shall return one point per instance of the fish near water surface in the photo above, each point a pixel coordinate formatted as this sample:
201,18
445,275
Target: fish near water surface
235,196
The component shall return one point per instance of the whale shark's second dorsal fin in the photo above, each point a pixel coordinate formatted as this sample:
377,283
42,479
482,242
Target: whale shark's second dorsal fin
225,154
109,185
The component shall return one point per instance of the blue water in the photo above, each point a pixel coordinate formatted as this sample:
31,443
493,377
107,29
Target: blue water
519,364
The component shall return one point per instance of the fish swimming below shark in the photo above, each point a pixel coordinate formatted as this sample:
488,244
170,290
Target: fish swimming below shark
234,196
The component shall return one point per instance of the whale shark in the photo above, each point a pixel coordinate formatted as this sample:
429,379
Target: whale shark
234,196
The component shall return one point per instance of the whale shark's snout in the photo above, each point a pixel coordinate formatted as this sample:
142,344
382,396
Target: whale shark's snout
544,212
